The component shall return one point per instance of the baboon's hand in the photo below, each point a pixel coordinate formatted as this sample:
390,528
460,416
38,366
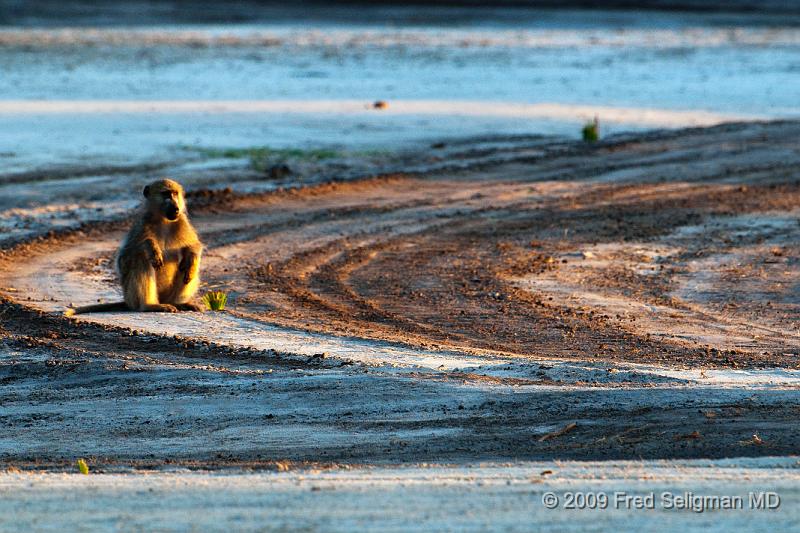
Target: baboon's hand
157,258
154,255
188,266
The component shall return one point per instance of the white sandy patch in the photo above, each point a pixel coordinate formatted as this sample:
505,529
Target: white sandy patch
651,117
554,37
690,326
690,318
493,496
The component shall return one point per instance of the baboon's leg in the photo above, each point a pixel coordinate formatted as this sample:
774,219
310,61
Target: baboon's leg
141,292
183,293
186,282
189,306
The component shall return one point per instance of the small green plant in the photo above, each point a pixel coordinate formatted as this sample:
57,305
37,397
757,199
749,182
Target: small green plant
215,300
83,468
591,131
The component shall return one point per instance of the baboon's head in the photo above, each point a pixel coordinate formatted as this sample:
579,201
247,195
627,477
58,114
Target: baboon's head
165,198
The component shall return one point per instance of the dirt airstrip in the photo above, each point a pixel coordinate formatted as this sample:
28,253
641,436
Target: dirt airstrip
644,289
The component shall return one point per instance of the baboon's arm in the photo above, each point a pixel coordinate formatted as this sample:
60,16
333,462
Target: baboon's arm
153,252
190,262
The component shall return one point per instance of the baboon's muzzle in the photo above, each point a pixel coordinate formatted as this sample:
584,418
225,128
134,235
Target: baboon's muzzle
171,212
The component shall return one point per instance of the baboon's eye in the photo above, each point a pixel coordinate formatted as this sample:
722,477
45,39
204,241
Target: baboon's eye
166,194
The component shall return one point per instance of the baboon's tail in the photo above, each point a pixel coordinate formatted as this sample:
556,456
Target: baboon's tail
97,308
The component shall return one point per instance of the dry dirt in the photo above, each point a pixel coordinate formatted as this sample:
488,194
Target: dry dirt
643,288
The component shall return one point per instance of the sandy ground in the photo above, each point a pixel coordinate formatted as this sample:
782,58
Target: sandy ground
424,319
511,300
641,289
479,498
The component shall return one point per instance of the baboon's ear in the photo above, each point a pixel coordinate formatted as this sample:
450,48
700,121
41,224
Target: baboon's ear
146,191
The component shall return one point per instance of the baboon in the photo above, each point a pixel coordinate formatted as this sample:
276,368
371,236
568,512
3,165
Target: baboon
159,261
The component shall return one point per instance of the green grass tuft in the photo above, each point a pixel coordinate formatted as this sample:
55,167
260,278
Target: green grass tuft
83,468
215,300
591,131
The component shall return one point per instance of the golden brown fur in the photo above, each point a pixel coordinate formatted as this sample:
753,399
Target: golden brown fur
159,260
